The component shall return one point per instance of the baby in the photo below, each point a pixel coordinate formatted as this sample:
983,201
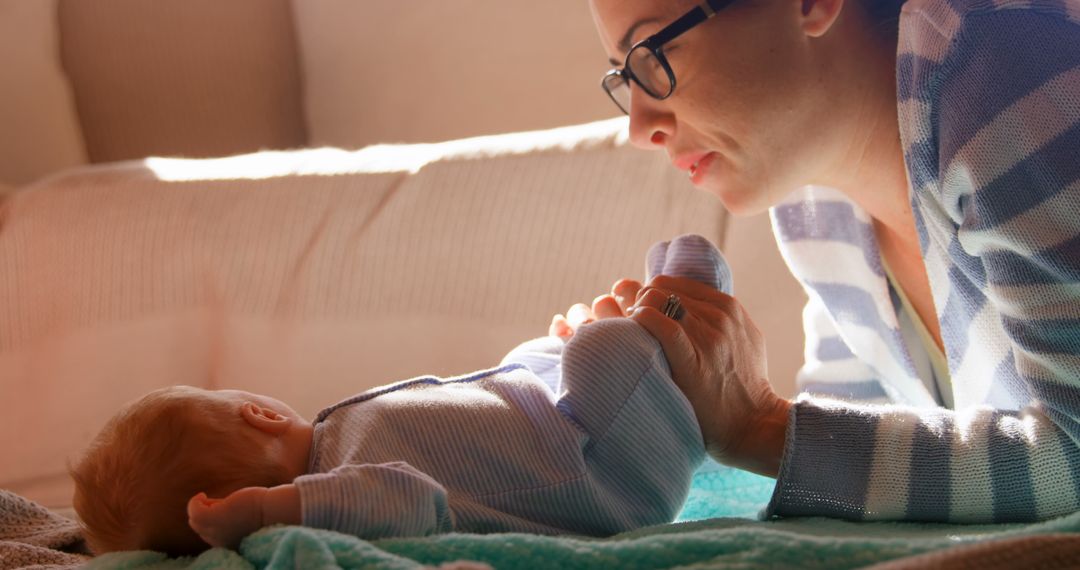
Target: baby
586,437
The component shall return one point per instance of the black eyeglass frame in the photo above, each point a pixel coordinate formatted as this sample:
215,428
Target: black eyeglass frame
655,44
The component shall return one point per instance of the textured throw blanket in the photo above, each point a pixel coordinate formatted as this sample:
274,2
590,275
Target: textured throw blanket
733,541
31,536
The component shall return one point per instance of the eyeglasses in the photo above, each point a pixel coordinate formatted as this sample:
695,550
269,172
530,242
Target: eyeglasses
646,64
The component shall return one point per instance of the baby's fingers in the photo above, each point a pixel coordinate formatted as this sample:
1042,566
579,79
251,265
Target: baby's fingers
200,510
200,503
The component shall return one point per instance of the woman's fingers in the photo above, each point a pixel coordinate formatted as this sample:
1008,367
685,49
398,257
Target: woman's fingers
717,358
705,302
661,300
678,349
687,288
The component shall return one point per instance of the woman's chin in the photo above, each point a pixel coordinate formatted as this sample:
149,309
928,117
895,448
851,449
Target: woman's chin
738,199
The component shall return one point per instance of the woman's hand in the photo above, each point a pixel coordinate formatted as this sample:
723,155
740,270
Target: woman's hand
615,304
717,358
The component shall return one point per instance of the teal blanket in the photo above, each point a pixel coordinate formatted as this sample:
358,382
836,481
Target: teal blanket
717,529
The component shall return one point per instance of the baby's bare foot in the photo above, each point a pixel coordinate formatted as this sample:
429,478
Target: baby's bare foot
625,292
609,305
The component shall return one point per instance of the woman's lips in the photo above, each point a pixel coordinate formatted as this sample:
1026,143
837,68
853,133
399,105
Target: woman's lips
699,169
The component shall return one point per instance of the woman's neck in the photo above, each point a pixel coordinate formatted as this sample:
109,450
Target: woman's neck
869,162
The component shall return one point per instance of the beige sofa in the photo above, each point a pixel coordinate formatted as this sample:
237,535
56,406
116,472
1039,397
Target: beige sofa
312,274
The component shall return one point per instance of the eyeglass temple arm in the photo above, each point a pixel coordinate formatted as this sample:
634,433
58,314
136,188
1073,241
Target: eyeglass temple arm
692,18
711,7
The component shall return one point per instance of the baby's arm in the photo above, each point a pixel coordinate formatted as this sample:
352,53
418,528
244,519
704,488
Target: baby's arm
224,522
369,501
375,501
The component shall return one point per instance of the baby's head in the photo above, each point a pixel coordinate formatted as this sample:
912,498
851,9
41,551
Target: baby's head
133,484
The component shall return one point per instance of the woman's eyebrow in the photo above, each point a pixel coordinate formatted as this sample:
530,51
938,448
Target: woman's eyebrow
624,43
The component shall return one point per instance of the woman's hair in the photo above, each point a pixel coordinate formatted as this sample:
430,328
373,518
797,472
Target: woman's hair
884,13
133,484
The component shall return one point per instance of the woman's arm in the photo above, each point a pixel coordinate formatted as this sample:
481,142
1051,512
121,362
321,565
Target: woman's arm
1006,201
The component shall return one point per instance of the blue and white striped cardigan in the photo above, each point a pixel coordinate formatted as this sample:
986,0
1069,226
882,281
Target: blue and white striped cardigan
989,107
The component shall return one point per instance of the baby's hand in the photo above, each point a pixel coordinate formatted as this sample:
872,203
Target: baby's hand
614,304
224,522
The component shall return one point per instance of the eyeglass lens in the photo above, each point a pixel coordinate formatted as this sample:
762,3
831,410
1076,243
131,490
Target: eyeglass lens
649,71
619,90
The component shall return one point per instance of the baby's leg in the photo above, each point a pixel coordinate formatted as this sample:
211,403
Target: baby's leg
643,441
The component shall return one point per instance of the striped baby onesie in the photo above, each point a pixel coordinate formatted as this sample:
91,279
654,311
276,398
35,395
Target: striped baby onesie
989,108
589,437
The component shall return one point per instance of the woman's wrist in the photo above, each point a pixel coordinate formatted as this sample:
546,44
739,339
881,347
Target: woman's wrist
281,505
762,450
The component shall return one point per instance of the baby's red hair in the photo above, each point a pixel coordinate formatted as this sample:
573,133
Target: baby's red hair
133,484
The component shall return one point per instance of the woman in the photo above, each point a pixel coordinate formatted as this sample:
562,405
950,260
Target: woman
939,245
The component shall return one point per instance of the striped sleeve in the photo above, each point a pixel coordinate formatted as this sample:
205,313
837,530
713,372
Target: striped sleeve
375,501
1007,144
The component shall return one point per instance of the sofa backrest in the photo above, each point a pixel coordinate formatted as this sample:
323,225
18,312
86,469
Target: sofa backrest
200,78
188,78
430,70
39,129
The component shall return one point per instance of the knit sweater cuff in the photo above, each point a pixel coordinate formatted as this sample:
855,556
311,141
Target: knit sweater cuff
828,452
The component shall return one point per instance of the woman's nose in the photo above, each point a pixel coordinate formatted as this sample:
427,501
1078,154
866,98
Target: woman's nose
650,123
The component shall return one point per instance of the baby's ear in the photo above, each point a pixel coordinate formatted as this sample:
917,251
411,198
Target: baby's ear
264,419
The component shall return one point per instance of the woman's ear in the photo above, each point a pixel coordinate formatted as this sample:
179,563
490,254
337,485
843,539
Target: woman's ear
264,419
818,16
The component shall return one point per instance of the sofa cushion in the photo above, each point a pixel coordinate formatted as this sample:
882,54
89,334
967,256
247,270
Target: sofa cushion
183,77
40,131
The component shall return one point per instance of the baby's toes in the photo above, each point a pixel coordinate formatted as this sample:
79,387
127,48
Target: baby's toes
625,292
560,328
606,307
580,314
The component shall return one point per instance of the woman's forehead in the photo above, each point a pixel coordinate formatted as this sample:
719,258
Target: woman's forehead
623,22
